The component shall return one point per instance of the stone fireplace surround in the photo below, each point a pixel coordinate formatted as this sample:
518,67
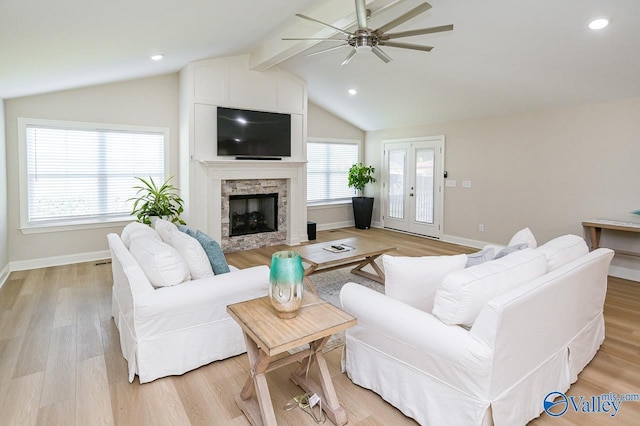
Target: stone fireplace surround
293,216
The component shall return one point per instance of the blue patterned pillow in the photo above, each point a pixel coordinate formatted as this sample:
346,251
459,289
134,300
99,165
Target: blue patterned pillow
214,253
190,232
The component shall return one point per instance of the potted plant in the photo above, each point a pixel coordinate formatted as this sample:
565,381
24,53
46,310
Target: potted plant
359,176
152,201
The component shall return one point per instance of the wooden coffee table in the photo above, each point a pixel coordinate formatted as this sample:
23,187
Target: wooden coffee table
267,335
365,252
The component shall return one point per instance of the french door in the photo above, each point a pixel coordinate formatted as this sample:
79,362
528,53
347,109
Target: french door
412,189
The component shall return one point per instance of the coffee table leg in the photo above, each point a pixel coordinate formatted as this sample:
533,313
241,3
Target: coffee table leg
307,273
370,261
326,391
260,413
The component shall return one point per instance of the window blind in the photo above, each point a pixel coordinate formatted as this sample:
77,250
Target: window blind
76,174
328,169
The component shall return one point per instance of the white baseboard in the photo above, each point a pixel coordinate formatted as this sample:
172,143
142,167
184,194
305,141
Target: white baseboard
624,273
4,274
22,265
463,241
335,225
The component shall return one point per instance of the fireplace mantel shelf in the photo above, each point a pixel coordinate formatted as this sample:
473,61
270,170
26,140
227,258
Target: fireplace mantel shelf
243,163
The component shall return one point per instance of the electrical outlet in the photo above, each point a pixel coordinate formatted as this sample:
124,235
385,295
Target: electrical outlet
481,227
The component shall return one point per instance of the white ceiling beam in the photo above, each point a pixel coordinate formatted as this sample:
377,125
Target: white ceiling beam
338,13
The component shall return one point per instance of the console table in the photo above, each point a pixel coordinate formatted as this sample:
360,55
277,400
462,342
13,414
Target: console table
595,227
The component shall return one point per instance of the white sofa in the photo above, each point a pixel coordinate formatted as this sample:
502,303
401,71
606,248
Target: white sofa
538,322
171,330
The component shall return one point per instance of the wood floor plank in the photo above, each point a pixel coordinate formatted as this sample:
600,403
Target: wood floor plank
60,373
35,345
60,413
92,408
9,352
22,403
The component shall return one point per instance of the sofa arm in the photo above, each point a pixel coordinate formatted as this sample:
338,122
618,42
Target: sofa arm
410,334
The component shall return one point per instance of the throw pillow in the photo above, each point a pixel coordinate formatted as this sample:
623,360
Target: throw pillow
192,252
511,249
161,263
136,230
524,236
165,229
190,232
563,250
464,293
414,280
478,258
214,253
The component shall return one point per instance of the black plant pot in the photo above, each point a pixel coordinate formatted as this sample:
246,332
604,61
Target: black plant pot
362,211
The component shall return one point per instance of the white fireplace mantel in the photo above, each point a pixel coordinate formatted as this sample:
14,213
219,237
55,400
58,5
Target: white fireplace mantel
292,171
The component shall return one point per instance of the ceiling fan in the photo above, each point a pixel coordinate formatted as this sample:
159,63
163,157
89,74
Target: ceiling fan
364,38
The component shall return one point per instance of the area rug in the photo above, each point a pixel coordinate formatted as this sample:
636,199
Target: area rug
328,284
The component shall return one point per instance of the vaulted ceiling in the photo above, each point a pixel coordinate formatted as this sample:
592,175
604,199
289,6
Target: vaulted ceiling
502,57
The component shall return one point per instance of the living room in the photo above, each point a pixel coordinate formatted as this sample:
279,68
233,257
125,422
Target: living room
548,168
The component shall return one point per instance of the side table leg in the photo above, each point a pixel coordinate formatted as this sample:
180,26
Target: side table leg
260,413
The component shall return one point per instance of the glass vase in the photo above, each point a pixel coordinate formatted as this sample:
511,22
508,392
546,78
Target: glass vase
285,283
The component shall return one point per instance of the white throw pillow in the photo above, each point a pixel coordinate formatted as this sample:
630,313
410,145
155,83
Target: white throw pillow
161,263
563,250
165,229
193,253
136,230
414,280
464,293
524,236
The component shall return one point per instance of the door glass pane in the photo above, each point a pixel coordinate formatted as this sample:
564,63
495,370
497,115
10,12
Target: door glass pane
424,185
396,183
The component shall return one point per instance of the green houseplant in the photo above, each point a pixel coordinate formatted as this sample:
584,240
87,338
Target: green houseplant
359,176
157,201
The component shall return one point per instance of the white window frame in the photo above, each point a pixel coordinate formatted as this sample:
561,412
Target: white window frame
320,204
28,228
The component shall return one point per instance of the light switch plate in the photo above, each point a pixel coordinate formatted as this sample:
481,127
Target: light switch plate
451,183
466,184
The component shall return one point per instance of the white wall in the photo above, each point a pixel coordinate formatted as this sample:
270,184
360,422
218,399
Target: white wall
4,255
145,102
323,124
548,170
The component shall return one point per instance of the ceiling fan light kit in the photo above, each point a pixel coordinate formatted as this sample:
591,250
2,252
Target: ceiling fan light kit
364,38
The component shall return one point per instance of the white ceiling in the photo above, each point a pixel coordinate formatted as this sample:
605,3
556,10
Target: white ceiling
503,57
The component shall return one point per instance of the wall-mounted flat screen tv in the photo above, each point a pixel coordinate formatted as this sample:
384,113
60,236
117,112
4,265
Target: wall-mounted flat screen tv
243,133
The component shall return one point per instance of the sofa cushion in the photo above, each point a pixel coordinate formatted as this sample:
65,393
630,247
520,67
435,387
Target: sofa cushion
523,236
161,263
136,230
479,257
193,253
414,280
165,229
563,250
214,253
464,293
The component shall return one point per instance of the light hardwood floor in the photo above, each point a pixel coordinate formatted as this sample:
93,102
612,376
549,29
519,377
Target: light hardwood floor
60,359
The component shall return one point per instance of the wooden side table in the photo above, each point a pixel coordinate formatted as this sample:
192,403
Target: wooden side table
595,227
267,335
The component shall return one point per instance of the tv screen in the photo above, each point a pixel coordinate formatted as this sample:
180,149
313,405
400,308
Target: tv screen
245,133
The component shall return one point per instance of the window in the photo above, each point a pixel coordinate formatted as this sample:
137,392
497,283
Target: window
327,170
79,173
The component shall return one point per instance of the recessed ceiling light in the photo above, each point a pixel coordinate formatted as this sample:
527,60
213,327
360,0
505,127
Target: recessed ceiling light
598,24
352,91
157,57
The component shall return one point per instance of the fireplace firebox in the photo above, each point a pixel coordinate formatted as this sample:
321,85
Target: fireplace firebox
253,214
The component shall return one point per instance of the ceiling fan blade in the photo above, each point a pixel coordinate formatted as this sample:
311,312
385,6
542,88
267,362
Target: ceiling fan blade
406,46
418,32
318,39
308,18
349,56
403,18
361,14
380,54
327,50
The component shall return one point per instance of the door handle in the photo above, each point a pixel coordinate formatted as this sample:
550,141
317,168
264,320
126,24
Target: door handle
411,194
